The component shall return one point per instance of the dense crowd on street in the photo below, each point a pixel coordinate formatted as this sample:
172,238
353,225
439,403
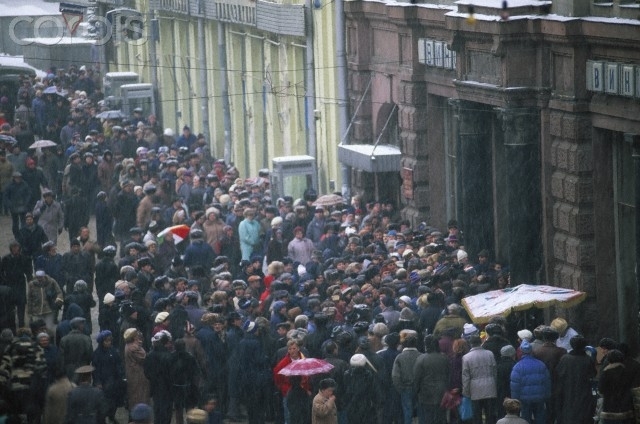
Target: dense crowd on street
208,287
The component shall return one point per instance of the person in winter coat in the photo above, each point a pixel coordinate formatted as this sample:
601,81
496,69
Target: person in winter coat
212,337
83,298
156,367
50,262
479,381
86,404
504,367
134,358
402,374
49,215
198,252
249,234
16,198
64,327
108,374
362,392
254,374
184,373
31,237
282,382
22,375
300,248
108,319
323,410
615,387
213,229
104,220
431,380
512,408
107,273
34,177
55,406
44,299
298,402
76,265
575,370
16,270
75,348
531,385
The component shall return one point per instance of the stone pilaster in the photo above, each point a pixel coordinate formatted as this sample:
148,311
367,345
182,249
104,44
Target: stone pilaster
521,201
474,176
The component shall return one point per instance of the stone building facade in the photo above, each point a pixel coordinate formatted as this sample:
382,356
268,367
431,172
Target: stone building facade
522,124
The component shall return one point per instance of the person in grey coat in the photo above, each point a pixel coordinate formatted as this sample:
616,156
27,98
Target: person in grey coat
479,381
402,373
431,380
49,215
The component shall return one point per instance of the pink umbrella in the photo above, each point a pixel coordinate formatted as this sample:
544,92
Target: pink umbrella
306,367
180,232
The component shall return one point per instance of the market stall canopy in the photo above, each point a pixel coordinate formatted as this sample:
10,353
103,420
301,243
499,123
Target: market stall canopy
483,306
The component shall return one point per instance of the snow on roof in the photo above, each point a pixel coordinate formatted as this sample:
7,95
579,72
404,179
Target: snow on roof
29,8
53,41
18,61
497,4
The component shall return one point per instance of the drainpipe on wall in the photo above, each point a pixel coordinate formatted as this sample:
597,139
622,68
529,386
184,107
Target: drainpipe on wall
224,85
343,104
202,62
310,95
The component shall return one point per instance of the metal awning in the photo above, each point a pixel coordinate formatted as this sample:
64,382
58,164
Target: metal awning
370,158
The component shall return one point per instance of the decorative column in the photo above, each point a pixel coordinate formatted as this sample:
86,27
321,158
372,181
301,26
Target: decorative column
521,168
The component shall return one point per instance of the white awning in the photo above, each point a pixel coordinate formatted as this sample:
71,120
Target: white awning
370,158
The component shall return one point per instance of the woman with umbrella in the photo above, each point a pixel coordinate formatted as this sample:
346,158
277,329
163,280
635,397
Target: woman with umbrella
293,382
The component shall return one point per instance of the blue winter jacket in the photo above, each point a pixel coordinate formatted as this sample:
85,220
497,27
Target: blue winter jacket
530,380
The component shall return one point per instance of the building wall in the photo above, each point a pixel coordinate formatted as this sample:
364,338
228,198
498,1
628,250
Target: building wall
540,160
266,83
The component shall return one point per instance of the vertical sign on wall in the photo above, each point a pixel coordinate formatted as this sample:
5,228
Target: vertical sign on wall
429,53
611,78
422,50
448,57
438,54
627,81
595,76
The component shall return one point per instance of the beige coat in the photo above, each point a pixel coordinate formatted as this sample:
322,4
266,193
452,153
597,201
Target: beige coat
324,410
55,407
137,383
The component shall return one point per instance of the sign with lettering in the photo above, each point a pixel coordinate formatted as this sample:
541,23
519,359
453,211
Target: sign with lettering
611,78
595,76
627,81
617,79
436,53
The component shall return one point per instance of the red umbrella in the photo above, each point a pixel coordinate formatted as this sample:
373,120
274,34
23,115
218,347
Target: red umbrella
180,232
306,367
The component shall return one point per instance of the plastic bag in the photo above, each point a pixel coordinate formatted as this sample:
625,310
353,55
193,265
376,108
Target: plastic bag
464,410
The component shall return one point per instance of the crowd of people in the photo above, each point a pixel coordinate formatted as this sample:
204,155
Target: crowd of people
207,288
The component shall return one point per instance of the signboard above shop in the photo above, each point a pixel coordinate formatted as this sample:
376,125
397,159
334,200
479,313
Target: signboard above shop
616,79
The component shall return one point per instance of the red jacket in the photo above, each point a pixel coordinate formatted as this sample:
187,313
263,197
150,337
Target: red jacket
282,382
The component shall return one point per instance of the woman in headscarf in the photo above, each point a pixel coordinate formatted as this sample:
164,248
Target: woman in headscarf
134,357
